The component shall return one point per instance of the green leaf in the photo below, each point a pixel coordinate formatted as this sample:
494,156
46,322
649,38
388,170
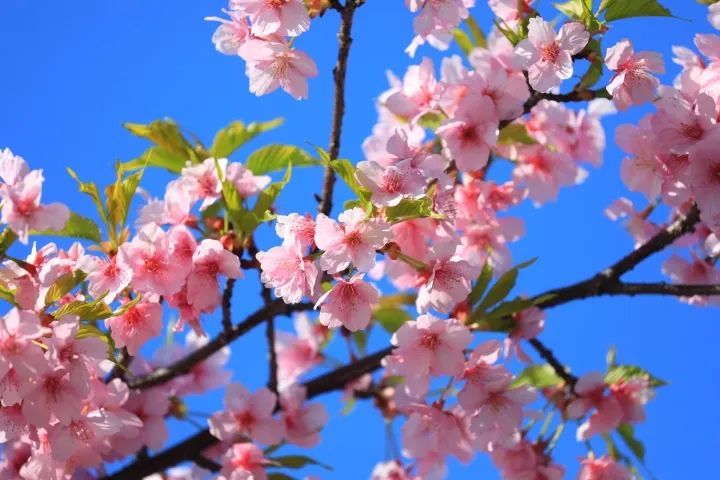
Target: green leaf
77,226
500,320
391,318
7,238
431,120
267,197
95,310
298,461
481,285
397,300
409,209
238,134
361,339
87,330
156,157
90,189
7,295
611,358
277,157
627,372
619,9
476,31
63,286
515,133
164,133
512,36
627,433
463,41
346,171
121,195
578,9
539,376
280,476
501,288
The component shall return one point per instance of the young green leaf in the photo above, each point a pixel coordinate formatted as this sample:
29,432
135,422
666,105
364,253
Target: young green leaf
298,461
164,133
463,41
278,157
627,372
476,31
156,157
90,189
409,209
391,318
515,133
627,433
63,286
619,9
539,376
481,285
95,310
77,226
121,195
237,134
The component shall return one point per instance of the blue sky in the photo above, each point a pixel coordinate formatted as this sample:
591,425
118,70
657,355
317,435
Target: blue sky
74,71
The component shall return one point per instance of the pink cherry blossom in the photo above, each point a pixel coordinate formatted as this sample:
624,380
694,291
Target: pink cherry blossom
471,133
389,185
425,347
696,271
243,461
349,303
547,55
633,83
498,413
447,281
522,462
151,407
643,171
22,210
246,183
703,175
296,230
680,124
431,433
210,260
82,357
507,10
390,470
631,395
278,17
302,422
479,371
105,276
13,168
52,394
150,258
592,393
543,172
231,34
273,64
714,15
291,275
18,330
352,240
137,325
603,468
202,180
418,94
247,414
297,355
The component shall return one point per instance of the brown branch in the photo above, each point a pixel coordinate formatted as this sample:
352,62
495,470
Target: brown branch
272,355
550,358
662,288
226,305
608,282
191,446
339,74
185,364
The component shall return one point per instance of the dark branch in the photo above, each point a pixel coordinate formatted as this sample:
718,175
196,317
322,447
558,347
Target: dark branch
339,74
272,355
185,364
226,305
662,288
550,358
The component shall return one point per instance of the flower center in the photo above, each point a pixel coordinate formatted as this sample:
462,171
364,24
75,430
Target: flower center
550,52
430,341
692,130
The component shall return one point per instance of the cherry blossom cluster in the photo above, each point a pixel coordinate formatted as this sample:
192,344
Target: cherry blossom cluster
672,155
261,32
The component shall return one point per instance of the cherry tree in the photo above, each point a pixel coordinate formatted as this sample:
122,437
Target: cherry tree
420,254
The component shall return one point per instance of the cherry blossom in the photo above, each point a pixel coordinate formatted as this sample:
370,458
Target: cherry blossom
632,83
273,64
243,461
352,240
428,346
603,468
279,17
247,414
348,304
136,325
547,54
302,422
291,275
448,279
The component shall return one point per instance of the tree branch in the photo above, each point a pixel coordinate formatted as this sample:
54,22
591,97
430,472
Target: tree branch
339,74
226,305
185,364
272,355
550,358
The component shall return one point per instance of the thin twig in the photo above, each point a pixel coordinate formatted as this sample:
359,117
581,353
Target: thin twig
272,355
339,74
550,358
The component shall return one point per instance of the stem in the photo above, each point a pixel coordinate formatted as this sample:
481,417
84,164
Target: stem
339,74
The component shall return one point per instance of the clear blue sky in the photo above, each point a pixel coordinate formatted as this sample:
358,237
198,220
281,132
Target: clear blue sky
74,71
